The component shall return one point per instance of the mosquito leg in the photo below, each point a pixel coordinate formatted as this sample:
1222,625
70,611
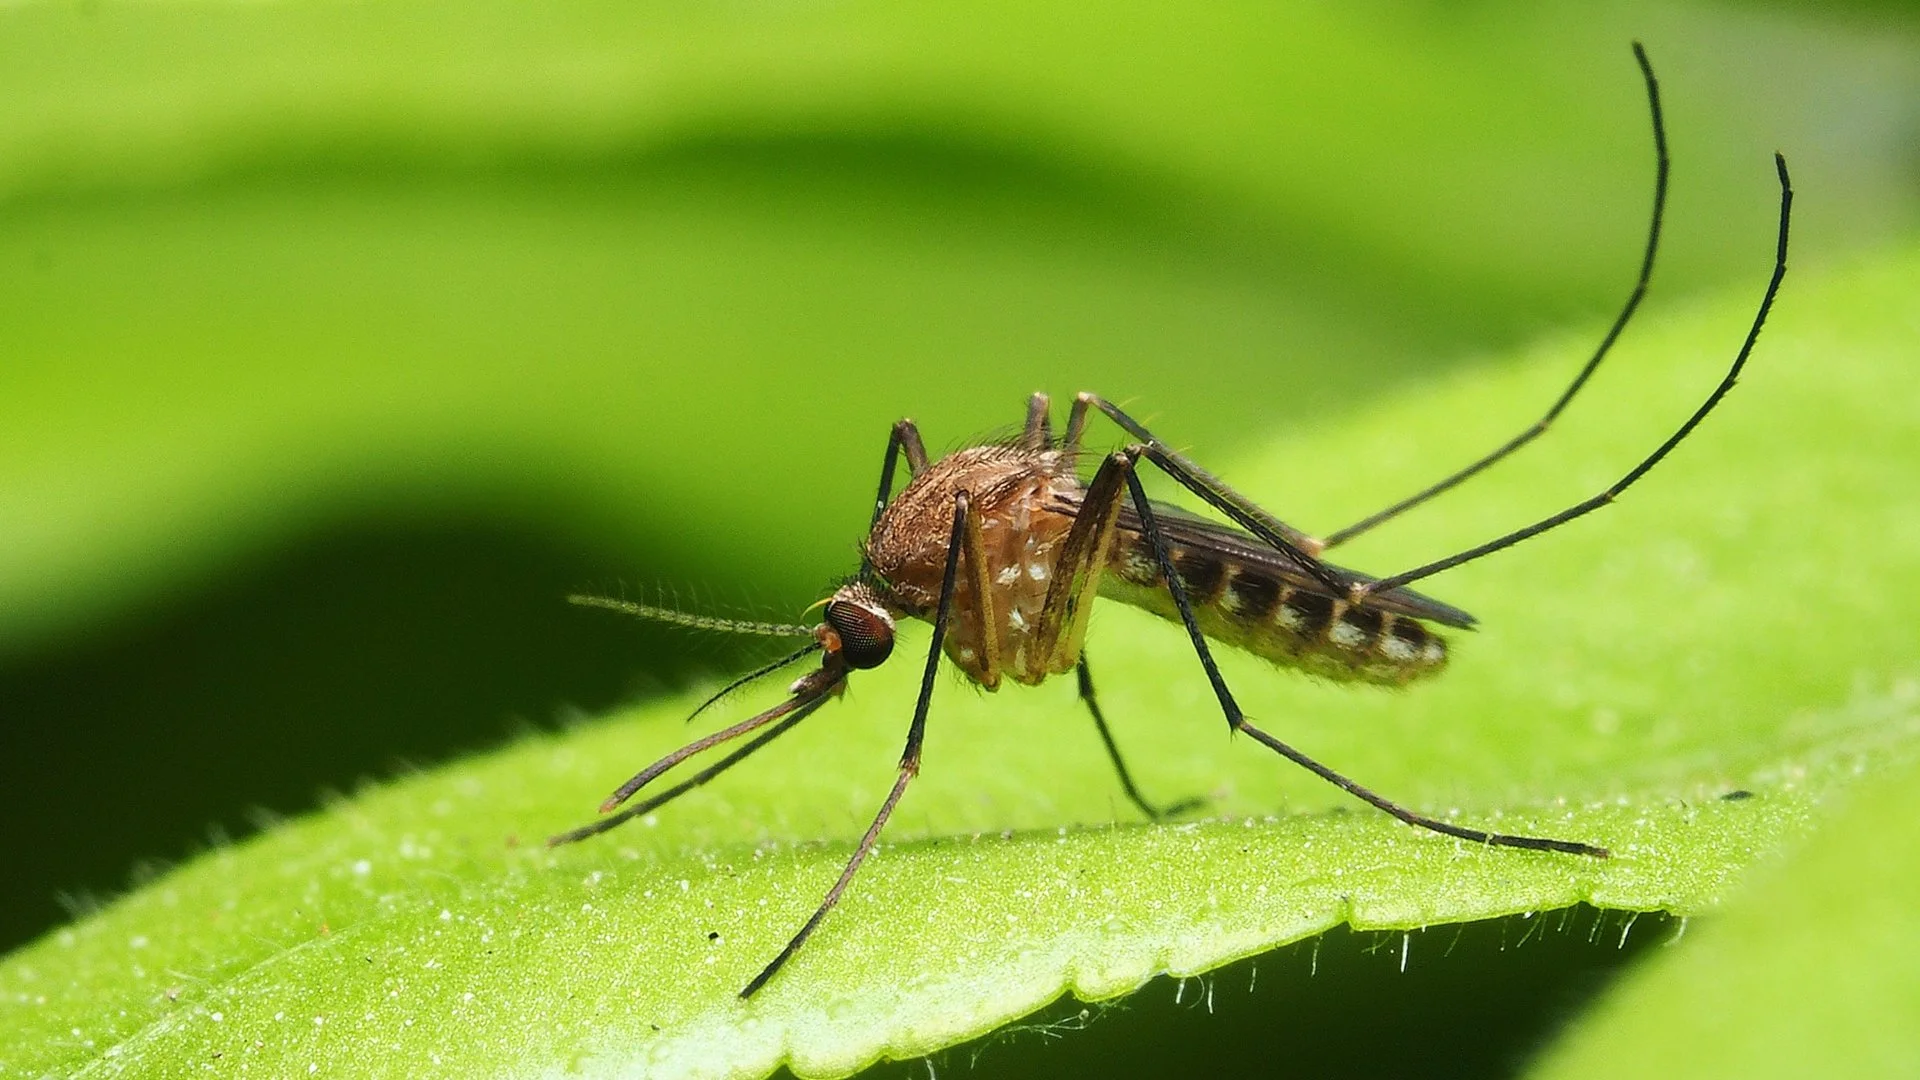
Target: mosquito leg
1062,622
1237,720
1076,423
1038,433
979,617
649,805
846,876
1540,426
903,439
1244,511
909,758
1156,813
1062,625
1581,509
1537,843
1151,528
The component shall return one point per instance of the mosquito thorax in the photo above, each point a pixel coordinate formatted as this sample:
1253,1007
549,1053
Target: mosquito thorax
858,628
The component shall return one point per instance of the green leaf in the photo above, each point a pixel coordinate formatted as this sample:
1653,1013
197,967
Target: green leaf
267,265
1811,973
1732,625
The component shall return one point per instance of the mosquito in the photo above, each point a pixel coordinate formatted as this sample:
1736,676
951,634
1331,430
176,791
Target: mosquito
1004,548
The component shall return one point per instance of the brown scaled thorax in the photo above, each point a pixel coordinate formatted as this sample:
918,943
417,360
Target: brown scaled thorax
1024,501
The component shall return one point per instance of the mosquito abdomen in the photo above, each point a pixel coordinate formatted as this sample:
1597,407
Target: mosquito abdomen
1249,608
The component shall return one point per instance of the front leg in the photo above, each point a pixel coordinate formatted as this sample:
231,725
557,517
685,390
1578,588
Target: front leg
909,758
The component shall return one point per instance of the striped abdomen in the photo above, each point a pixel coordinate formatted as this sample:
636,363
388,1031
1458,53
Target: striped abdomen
1251,608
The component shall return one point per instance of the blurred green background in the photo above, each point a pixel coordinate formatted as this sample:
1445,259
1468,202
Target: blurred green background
339,342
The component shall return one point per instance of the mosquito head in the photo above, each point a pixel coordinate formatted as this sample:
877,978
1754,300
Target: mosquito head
858,627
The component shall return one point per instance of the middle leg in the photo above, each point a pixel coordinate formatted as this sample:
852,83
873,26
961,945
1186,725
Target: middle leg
909,758
1085,677
1062,626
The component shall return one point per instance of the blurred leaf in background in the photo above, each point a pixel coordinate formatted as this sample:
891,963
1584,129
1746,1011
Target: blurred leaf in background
417,931
338,342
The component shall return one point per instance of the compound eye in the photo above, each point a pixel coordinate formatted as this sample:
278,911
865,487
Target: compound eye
866,635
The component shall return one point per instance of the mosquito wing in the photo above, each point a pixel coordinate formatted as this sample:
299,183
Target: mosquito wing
1184,529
